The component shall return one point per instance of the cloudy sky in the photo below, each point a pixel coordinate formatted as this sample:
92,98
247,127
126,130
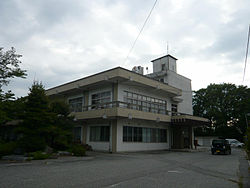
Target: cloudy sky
63,40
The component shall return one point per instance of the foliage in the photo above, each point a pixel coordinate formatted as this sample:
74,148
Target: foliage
7,148
10,66
248,139
78,150
39,155
31,143
44,123
225,105
37,120
63,125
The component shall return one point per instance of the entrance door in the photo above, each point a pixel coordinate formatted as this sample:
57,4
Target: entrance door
181,137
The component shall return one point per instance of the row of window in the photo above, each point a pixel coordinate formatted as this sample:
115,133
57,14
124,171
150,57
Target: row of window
130,134
141,134
76,104
144,98
135,101
145,103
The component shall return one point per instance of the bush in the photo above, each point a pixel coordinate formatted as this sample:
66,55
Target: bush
78,150
247,143
38,155
32,144
7,148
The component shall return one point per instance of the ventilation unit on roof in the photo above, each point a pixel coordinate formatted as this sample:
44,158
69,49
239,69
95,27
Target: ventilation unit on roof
138,69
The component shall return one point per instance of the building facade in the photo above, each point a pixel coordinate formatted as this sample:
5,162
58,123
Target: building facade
120,110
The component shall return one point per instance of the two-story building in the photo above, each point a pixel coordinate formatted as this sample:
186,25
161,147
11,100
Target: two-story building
121,110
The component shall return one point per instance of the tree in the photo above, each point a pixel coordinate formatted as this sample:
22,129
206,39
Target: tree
37,120
61,134
225,105
44,123
9,68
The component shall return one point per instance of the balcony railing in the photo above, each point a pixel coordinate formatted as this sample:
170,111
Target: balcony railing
120,104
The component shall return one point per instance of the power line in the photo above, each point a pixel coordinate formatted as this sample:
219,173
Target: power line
246,55
141,30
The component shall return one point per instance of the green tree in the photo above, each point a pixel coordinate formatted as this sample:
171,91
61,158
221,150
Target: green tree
44,123
37,120
225,105
61,132
9,68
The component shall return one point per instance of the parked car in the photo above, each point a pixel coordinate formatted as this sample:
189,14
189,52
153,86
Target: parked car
220,146
235,143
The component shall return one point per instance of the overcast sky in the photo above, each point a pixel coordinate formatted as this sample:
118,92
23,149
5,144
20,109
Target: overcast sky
63,40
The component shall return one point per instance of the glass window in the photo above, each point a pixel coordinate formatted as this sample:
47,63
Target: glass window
163,135
139,97
174,109
100,98
125,133
76,104
153,135
145,103
139,134
130,134
99,133
77,132
135,95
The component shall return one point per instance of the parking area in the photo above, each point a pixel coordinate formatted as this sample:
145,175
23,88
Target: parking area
146,169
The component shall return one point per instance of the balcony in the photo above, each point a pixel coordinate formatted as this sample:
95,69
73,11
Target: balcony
122,109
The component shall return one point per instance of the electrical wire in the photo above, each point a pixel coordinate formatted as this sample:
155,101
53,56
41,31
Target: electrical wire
246,55
133,45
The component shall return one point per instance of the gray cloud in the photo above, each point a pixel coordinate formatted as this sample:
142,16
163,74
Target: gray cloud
63,40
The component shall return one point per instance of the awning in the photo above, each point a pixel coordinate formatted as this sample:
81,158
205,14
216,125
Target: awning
189,120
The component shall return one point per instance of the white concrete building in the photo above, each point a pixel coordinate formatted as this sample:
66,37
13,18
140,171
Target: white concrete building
121,110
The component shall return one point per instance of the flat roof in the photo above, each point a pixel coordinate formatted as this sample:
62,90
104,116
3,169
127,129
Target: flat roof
113,74
164,57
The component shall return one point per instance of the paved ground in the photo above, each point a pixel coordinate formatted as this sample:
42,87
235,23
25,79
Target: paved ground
155,169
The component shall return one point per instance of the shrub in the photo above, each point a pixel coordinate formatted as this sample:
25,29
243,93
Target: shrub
38,155
32,143
247,143
78,150
7,148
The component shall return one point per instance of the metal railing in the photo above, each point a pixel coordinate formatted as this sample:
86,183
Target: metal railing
120,104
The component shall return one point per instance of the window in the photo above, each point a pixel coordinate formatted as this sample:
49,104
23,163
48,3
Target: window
142,134
100,98
99,133
163,67
145,103
76,104
174,109
77,134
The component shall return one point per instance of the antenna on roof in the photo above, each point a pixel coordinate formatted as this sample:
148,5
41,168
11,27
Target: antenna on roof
167,48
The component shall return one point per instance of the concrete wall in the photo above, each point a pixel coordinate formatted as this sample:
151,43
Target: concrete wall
170,64
205,140
183,83
139,146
